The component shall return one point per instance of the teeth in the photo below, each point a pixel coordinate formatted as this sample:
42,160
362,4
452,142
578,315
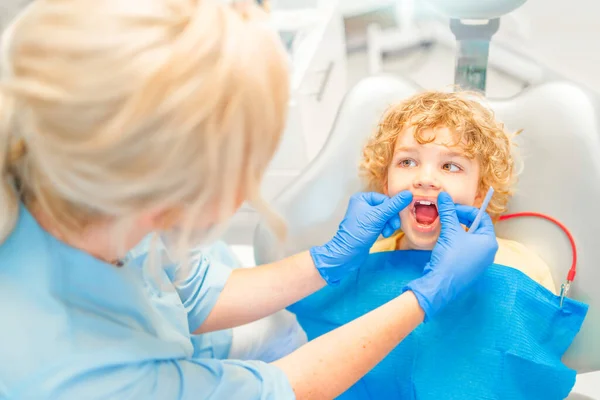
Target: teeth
424,202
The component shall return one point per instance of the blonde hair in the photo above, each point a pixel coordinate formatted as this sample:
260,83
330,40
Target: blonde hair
111,107
475,130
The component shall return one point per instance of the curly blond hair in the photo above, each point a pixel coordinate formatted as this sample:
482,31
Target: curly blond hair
475,130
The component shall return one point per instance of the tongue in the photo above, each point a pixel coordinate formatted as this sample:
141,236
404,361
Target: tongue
426,215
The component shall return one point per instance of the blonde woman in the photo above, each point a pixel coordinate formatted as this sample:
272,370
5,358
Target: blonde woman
124,118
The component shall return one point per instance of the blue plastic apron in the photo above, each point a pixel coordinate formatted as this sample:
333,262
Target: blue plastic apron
503,339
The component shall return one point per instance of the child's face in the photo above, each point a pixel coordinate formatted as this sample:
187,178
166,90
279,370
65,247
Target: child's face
426,170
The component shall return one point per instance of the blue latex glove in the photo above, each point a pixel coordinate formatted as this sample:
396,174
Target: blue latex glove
368,216
457,259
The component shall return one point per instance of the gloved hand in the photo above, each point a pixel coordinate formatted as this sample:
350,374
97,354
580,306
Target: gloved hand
367,216
457,259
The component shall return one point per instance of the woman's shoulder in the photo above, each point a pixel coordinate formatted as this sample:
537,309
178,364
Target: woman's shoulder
24,249
63,303
518,256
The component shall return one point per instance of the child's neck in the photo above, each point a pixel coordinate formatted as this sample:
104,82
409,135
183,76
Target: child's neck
404,244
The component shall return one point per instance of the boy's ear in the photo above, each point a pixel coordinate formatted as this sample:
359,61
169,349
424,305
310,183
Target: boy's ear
385,188
479,198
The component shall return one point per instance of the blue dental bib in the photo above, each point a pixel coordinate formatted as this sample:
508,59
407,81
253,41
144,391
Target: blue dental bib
503,339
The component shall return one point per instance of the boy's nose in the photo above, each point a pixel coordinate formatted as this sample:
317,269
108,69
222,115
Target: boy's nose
426,179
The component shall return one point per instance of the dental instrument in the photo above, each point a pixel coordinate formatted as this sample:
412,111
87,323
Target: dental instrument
566,286
473,24
482,209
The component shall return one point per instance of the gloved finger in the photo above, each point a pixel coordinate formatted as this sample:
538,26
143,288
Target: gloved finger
466,214
447,211
486,225
373,198
387,231
391,226
395,222
396,204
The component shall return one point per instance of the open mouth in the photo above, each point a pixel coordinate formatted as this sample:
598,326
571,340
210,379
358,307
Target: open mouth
425,212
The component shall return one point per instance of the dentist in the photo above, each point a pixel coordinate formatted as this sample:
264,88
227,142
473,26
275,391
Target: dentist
119,119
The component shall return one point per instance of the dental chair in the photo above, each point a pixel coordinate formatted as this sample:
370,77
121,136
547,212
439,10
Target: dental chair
560,146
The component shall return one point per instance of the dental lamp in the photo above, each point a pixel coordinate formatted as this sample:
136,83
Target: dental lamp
473,23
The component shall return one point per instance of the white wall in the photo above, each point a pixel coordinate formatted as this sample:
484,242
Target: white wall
8,9
565,36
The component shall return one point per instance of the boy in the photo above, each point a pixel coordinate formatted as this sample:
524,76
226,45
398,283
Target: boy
509,325
437,141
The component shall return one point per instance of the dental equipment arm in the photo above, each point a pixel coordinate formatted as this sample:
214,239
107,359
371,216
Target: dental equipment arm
253,293
475,9
473,23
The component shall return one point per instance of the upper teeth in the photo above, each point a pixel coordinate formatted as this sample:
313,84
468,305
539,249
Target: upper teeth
424,202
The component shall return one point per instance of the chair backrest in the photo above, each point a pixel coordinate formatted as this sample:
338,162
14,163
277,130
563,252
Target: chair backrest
560,145
560,148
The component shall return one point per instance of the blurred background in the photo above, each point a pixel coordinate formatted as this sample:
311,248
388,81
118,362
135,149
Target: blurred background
333,44
560,37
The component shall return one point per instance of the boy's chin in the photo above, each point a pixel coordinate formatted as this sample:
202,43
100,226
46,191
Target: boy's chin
415,241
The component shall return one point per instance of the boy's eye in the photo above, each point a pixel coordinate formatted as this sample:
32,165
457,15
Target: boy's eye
407,163
451,167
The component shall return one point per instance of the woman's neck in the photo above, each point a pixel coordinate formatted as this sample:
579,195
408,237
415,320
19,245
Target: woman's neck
96,240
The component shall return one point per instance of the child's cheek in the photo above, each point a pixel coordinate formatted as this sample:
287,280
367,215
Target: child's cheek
461,190
404,216
396,183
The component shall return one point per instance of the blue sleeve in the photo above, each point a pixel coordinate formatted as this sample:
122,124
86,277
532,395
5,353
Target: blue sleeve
167,380
198,286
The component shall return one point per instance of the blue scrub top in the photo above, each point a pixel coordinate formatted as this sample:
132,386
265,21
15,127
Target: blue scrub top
72,326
